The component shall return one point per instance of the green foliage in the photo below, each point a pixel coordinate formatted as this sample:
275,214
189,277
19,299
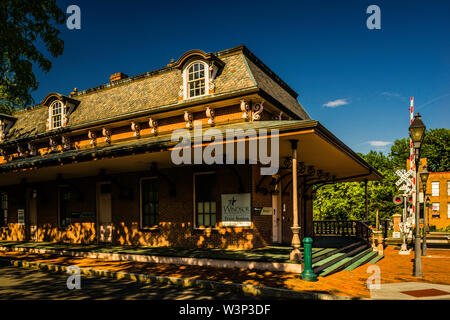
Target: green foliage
345,201
435,147
22,24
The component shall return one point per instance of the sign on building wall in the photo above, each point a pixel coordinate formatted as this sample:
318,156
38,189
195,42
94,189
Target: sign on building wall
21,217
236,210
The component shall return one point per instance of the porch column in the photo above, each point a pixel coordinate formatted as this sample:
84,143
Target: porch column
296,255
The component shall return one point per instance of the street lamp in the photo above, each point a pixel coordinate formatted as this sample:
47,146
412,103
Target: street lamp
417,133
424,177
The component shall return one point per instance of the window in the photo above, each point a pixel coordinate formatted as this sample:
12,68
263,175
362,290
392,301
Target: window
435,210
205,199
64,209
149,203
448,187
56,114
196,80
4,210
435,188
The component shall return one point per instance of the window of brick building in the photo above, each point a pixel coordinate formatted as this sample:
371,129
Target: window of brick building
149,203
435,210
205,199
448,187
435,188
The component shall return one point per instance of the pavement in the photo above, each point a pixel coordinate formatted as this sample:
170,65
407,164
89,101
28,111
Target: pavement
392,272
411,291
17,283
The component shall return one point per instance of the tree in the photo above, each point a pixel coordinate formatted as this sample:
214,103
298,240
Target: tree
346,201
22,24
435,147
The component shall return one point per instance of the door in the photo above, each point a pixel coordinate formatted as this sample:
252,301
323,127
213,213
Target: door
104,212
276,215
32,210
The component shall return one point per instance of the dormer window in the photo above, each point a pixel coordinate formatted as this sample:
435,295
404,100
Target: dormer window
56,114
199,70
59,109
196,79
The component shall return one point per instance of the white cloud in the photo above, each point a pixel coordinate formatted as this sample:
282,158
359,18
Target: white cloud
379,143
391,94
336,103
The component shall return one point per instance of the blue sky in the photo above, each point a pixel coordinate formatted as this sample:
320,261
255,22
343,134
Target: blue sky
355,81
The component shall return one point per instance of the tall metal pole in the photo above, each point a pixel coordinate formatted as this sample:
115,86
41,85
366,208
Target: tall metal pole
424,241
295,254
412,162
404,248
417,249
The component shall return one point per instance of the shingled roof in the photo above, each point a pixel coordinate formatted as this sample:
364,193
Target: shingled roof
157,90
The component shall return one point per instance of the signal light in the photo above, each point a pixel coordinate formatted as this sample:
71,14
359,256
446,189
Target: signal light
398,200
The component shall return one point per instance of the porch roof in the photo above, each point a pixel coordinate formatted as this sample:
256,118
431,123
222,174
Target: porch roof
316,146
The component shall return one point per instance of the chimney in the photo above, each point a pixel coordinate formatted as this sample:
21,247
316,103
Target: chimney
117,76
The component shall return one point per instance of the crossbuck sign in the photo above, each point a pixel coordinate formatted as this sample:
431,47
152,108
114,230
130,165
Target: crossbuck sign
405,177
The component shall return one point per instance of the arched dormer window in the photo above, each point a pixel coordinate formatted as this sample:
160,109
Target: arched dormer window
59,109
56,114
196,79
199,71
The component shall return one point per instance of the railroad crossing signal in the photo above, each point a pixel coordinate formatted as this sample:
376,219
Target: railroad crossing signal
405,177
398,199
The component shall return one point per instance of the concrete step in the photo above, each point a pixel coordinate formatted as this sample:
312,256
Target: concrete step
335,260
332,252
332,269
376,259
369,255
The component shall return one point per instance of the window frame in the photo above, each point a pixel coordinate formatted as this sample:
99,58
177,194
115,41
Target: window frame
52,115
435,213
432,190
448,210
186,81
196,226
141,216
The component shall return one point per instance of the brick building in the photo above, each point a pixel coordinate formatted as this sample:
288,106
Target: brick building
437,196
96,165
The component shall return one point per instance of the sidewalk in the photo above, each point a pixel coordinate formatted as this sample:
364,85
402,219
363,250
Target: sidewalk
394,269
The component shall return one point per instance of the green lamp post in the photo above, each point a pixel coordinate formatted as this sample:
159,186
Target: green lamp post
308,273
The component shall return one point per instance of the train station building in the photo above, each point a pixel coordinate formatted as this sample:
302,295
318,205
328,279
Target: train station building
101,165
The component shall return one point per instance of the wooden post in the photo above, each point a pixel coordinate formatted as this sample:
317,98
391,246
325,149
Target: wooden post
295,255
